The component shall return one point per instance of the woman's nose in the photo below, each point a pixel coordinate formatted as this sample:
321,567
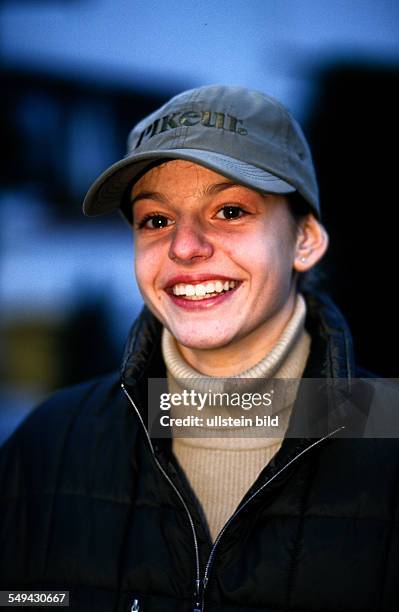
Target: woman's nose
189,244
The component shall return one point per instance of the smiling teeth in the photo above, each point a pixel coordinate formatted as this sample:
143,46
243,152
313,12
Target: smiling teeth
200,290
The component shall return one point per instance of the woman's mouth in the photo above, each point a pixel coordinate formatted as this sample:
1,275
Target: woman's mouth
203,291
202,294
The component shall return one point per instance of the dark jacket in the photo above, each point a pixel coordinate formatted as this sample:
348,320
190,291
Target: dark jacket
89,504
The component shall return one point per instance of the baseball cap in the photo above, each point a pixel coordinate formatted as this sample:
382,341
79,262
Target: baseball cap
247,136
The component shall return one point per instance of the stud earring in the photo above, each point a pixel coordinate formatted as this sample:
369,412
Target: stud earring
303,259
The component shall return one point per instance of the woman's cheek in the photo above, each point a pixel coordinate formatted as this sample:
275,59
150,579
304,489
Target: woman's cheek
144,272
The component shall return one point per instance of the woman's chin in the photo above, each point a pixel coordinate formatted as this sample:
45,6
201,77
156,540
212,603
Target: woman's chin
205,341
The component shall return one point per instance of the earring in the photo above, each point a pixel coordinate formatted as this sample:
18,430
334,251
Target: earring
303,259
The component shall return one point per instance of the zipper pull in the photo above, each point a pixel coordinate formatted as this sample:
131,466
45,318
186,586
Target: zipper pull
135,606
198,595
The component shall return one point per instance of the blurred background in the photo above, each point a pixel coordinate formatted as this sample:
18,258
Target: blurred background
75,77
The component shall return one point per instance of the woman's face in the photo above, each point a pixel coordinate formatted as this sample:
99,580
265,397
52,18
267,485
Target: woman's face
214,260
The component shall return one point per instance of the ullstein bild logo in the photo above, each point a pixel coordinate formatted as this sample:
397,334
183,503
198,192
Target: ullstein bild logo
207,118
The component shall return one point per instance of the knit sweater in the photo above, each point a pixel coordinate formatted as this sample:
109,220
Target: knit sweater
221,464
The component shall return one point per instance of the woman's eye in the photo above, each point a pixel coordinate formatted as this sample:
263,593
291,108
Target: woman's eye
154,222
230,212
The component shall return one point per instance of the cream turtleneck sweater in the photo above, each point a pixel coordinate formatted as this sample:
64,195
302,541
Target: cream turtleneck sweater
221,464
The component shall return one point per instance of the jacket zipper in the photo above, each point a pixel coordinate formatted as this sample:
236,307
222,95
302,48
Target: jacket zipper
198,579
200,586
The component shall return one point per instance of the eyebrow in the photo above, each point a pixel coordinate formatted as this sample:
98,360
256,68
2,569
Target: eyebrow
218,187
149,195
208,190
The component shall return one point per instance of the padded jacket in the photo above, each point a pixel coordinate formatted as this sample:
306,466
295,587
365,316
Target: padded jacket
90,504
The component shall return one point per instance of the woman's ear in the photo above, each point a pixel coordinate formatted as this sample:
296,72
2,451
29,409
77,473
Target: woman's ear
311,243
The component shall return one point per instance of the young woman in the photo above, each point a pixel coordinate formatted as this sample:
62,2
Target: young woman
220,190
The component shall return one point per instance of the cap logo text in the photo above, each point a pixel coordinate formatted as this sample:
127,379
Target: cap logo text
206,118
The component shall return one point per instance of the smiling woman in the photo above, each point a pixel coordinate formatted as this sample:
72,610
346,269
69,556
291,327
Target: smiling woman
232,508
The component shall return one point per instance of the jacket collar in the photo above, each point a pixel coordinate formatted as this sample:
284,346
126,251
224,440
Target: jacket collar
143,355
331,353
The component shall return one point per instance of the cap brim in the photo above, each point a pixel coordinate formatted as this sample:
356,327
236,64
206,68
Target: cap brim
107,192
